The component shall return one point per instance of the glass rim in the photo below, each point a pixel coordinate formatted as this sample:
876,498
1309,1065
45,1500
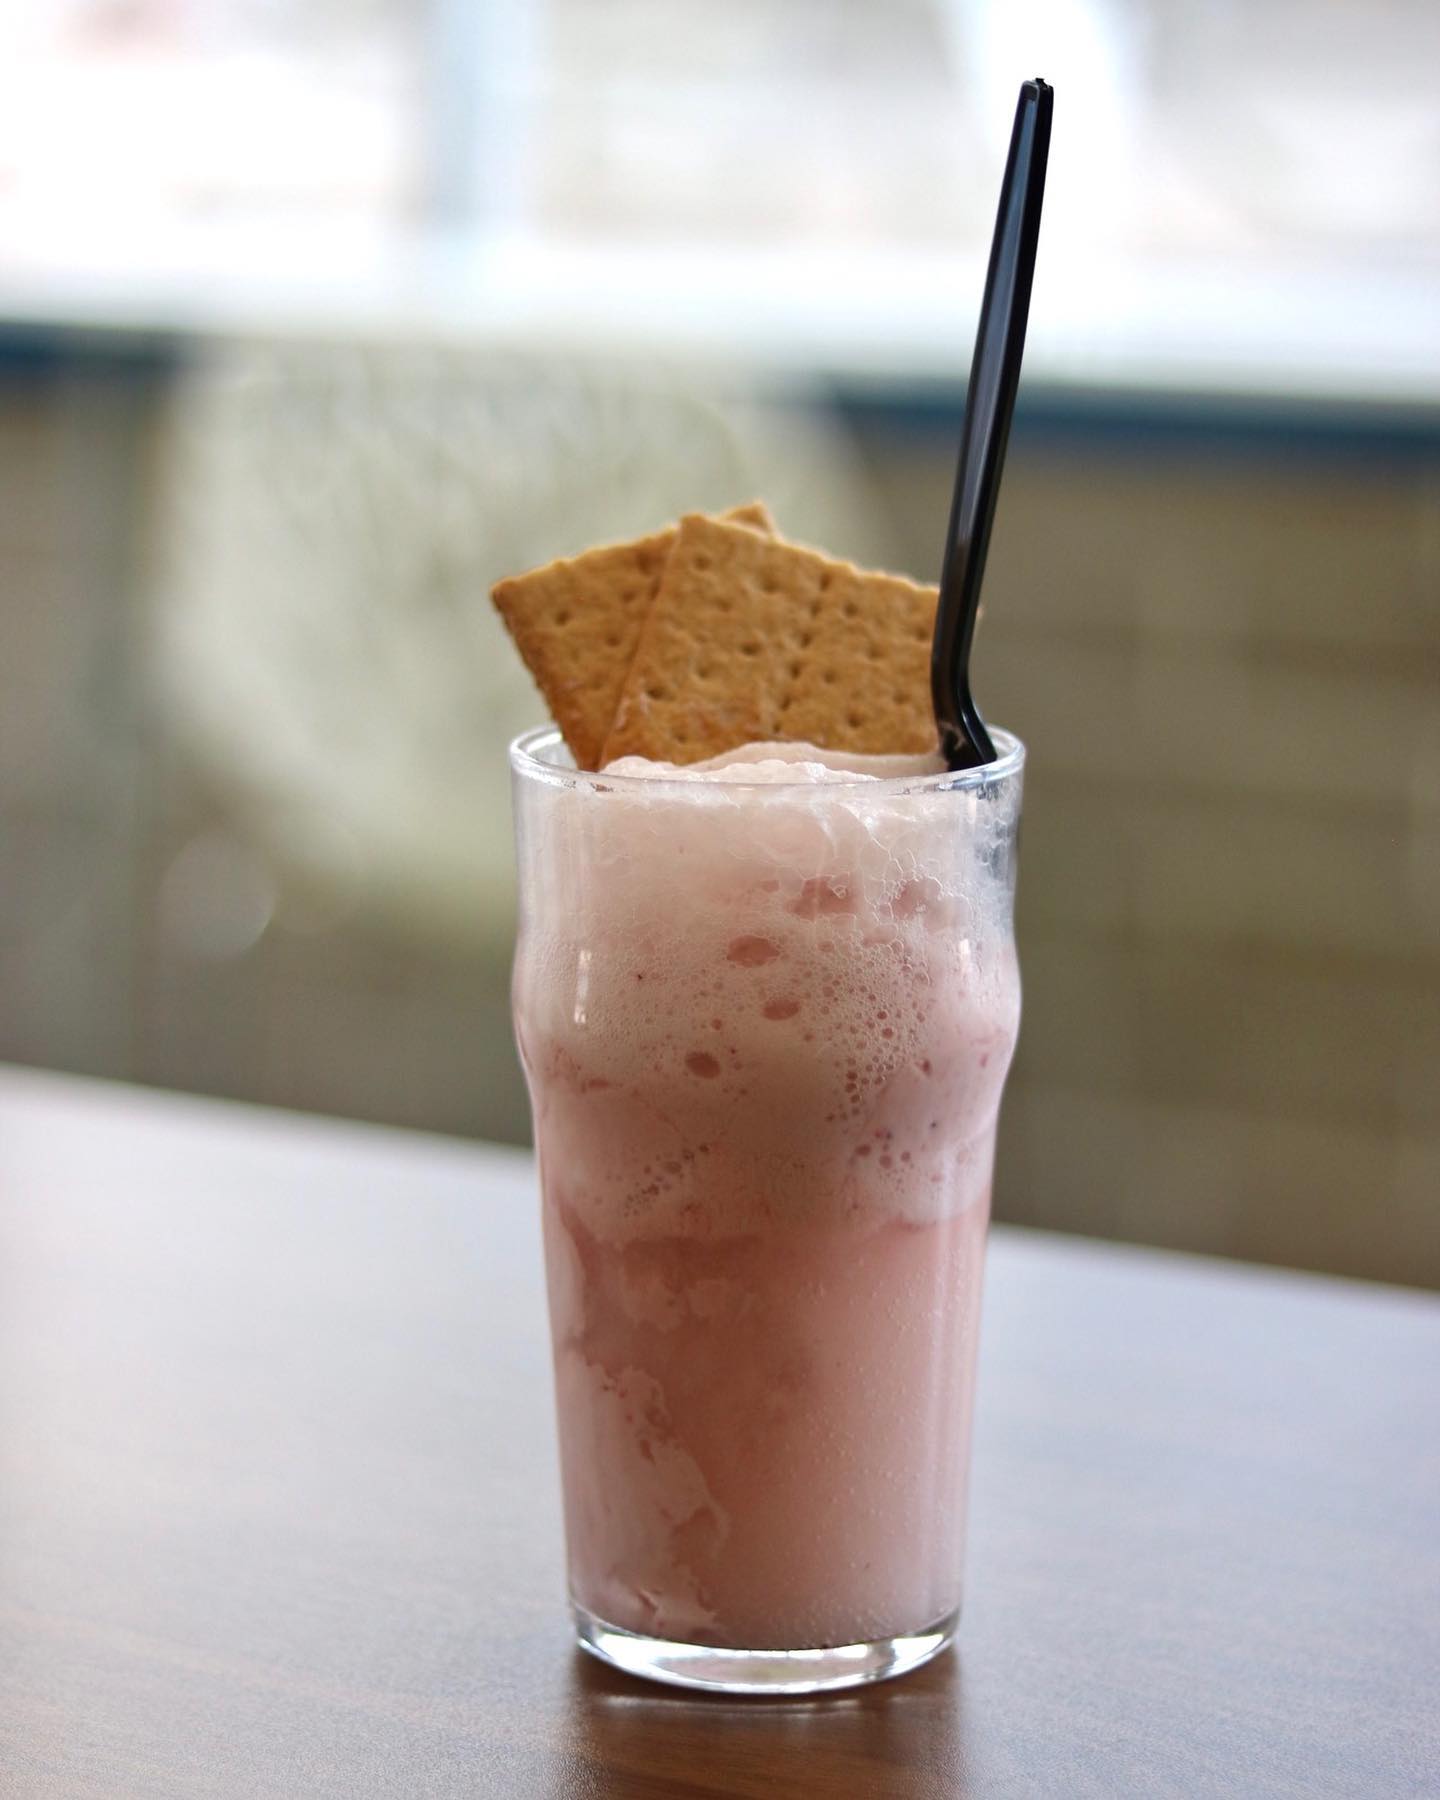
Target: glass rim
526,761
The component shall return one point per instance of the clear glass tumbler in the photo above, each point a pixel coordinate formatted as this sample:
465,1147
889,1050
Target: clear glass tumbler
765,1029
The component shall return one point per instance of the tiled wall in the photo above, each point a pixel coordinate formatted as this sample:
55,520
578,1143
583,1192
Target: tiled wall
1226,665
71,735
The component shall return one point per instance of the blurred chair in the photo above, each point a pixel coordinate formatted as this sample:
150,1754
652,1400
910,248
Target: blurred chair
330,672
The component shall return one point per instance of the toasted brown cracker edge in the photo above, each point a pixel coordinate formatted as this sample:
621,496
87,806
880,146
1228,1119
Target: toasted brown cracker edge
577,621
753,639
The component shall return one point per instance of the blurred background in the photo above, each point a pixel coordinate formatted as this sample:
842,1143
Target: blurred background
314,319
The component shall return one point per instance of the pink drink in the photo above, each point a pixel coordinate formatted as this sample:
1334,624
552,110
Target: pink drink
766,1013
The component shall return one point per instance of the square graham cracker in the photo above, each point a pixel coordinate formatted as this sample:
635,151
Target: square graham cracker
753,639
576,623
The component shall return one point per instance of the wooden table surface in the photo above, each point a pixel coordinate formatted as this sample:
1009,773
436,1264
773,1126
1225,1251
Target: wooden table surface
278,1505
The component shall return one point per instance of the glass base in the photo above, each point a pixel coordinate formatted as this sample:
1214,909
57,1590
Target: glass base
761,1671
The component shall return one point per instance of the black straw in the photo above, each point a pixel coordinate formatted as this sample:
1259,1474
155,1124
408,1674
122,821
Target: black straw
989,408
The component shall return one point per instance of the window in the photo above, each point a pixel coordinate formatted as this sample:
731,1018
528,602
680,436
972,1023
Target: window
789,171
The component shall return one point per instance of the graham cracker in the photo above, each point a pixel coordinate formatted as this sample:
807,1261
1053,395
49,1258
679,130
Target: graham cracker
752,639
576,622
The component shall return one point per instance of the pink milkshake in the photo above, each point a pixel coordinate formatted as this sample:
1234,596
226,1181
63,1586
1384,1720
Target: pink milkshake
766,1006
